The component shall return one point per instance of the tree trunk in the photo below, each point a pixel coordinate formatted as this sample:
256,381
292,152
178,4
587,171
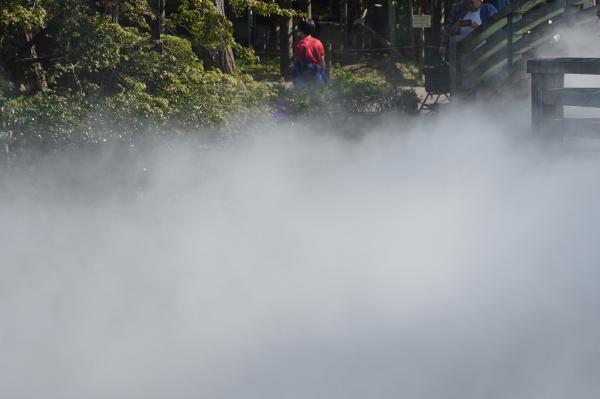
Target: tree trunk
249,28
225,59
158,9
411,30
110,8
344,19
436,25
392,21
285,42
436,22
114,11
362,19
40,74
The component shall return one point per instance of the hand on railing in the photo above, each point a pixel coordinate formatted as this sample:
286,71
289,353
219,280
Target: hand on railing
455,28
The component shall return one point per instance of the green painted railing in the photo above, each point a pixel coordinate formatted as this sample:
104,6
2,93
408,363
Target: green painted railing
492,53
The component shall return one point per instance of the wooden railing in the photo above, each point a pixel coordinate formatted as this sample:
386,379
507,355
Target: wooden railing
549,96
493,52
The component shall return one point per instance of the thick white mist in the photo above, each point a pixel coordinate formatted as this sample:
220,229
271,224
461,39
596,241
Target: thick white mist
449,260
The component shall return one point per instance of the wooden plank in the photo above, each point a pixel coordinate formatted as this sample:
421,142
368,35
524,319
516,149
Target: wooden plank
552,81
500,38
473,78
489,81
486,70
537,103
487,40
577,97
495,79
529,42
540,82
495,43
453,61
539,16
491,88
515,59
509,41
539,35
544,32
572,16
494,75
484,52
480,35
585,66
576,2
521,7
479,78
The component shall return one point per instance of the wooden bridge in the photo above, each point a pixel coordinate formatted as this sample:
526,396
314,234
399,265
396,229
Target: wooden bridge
493,53
549,96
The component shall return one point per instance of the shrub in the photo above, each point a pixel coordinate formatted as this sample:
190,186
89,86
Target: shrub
49,118
347,94
56,119
44,118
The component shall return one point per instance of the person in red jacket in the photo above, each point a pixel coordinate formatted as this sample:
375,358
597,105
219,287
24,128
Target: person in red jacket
309,56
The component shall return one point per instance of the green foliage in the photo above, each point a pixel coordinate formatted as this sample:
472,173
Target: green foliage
406,74
156,90
202,21
43,118
50,119
221,99
207,28
263,70
347,93
21,16
91,46
396,73
263,8
167,72
109,81
357,93
135,13
18,19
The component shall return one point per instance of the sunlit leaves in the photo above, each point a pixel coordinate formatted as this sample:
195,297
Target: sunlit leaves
21,17
203,22
262,7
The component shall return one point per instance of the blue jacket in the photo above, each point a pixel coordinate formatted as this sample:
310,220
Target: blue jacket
458,10
499,4
486,13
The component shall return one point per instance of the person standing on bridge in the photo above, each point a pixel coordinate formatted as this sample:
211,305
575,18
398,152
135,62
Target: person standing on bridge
465,16
309,56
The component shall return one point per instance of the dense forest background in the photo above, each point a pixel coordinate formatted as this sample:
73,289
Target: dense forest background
73,70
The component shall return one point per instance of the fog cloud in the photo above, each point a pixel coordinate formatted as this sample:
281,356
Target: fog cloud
449,259
454,257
